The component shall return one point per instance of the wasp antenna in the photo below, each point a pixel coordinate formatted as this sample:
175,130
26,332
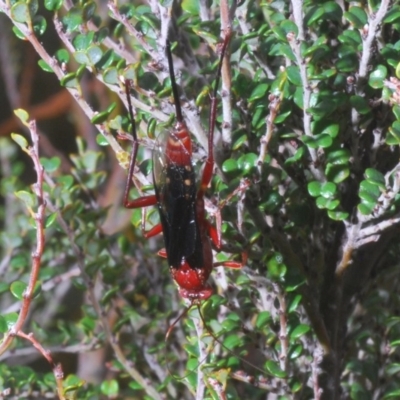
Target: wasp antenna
174,86
172,326
226,348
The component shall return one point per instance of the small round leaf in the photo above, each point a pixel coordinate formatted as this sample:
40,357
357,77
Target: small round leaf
18,288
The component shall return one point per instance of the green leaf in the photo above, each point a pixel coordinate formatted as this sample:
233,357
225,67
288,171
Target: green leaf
351,38
110,76
102,34
294,304
103,116
280,33
296,156
332,11
357,17
262,319
328,190
331,130
69,80
393,15
314,188
313,15
82,41
322,202
101,140
73,19
94,54
274,369
392,394
377,77
360,104
337,173
18,288
89,10
276,267
50,220
110,388
323,140
20,12
338,215
18,33
39,25
376,177
230,166
247,162
296,352
107,59
365,208
11,319
72,383
27,197
393,136
288,27
339,157
53,5
191,7
62,56
371,188
20,140
22,115
3,325
293,73
299,331
50,164
259,92
45,67
81,57
233,341
309,141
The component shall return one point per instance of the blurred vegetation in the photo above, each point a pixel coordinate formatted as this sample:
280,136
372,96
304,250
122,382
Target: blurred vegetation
309,115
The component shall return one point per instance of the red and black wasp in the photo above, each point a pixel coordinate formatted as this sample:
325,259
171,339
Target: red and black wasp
186,230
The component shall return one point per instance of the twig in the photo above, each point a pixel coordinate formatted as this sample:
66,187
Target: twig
374,25
353,231
226,29
39,217
317,358
218,388
274,104
202,358
295,46
57,369
241,14
282,312
368,38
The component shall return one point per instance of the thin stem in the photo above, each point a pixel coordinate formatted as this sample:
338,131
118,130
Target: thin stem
226,28
57,369
39,217
282,312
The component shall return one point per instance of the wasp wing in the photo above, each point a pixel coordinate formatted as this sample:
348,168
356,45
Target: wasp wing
175,189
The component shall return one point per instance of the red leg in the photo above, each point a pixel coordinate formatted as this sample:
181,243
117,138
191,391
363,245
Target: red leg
140,202
155,230
233,264
143,201
162,253
215,234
